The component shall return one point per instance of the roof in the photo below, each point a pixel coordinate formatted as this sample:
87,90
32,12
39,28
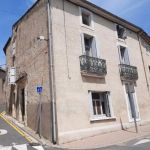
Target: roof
6,45
3,70
97,10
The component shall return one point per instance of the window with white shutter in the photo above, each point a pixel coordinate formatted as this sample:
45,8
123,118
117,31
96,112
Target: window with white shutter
90,48
124,56
12,75
101,106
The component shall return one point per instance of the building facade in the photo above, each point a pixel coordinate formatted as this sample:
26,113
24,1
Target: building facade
93,66
2,81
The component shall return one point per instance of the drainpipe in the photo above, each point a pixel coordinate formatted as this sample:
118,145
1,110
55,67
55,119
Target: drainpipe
51,74
143,59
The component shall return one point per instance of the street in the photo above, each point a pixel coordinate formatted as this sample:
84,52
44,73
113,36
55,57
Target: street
138,144
10,139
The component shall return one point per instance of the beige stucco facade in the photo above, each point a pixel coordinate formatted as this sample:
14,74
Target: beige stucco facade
73,99
73,110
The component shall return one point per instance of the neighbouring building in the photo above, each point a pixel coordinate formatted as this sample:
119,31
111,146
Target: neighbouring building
2,81
90,67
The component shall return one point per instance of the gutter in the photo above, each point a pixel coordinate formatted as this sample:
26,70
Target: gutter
52,75
139,34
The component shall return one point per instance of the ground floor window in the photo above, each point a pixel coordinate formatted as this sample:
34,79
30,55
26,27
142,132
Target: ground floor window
101,106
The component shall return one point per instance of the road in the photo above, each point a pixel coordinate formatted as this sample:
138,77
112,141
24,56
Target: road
10,139
137,144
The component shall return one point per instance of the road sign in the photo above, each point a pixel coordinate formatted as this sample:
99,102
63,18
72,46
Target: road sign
39,89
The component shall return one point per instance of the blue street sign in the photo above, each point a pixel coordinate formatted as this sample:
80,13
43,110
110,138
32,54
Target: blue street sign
39,89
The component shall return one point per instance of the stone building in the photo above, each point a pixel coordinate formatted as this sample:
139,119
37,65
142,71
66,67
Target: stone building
93,66
2,81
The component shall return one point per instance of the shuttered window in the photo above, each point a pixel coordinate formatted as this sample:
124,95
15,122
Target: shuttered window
124,56
89,45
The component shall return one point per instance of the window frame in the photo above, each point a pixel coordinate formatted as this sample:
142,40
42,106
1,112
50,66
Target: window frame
103,116
120,39
91,26
96,44
127,103
119,52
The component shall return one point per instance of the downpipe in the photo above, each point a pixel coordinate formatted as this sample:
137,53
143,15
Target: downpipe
51,74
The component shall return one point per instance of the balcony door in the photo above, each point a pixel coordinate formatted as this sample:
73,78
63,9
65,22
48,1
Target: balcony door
132,105
89,45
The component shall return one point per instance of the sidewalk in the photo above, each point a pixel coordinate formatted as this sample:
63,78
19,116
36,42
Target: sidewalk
113,138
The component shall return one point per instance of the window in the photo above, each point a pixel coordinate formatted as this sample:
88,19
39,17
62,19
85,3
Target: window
13,49
86,17
89,45
121,32
132,103
12,75
101,104
124,57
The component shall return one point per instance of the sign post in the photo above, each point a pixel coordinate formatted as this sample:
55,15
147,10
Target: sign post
39,90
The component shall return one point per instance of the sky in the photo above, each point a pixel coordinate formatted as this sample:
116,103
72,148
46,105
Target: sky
135,11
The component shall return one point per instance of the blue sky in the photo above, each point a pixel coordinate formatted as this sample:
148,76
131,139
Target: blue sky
135,11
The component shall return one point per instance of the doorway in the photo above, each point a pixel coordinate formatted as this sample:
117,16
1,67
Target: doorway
23,104
131,100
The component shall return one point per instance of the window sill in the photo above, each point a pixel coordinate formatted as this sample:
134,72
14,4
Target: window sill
132,120
121,40
88,27
102,118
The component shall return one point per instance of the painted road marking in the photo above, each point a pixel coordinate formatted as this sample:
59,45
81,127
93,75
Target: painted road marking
20,147
38,147
142,142
15,127
3,132
6,148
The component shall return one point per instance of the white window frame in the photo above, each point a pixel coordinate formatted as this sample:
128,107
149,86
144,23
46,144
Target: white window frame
123,45
100,117
91,27
96,42
127,103
120,39
12,75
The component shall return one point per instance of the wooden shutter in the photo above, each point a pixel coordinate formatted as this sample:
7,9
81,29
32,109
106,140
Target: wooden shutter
12,75
107,105
94,49
82,43
126,57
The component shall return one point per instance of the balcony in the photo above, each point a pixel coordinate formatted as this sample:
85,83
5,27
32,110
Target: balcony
128,72
91,66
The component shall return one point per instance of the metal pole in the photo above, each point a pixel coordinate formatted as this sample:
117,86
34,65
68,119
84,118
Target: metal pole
40,116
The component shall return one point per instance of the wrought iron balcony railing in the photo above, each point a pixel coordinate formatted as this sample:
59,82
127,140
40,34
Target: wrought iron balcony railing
92,66
128,72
